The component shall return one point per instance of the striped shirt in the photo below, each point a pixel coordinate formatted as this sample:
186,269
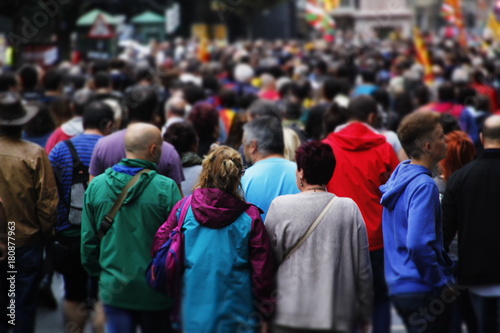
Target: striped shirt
62,163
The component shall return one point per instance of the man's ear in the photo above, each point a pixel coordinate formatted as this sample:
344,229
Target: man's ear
254,147
152,149
427,146
108,128
372,118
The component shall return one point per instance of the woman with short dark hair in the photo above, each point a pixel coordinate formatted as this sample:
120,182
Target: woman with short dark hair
320,242
205,119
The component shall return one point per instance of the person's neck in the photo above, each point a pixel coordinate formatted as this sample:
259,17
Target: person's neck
93,131
425,163
103,90
52,93
265,157
314,188
135,156
495,145
132,121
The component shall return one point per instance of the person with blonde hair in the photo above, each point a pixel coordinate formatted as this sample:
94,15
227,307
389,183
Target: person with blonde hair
292,142
229,264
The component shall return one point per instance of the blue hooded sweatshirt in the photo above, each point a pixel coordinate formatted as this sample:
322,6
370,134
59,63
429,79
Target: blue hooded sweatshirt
415,260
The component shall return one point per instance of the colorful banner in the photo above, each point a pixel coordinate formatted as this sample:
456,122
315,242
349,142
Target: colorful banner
451,10
319,18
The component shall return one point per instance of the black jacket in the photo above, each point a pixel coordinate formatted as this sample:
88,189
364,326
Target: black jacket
471,206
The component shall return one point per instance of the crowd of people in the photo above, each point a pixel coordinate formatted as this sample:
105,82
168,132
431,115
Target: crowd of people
324,183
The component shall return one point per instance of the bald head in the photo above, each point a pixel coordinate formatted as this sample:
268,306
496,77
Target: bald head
491,132
143,141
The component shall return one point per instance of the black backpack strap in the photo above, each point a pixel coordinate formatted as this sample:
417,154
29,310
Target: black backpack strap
74,154
59,184
78,166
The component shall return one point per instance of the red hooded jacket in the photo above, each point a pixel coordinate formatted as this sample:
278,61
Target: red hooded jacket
365,161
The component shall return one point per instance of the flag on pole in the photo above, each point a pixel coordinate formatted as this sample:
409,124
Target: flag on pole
319,18
448,12
496,10
452,12
494,25
423,55
330,5
203,50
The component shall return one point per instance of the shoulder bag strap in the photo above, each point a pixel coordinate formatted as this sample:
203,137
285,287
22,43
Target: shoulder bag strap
310,230
181,215
110,217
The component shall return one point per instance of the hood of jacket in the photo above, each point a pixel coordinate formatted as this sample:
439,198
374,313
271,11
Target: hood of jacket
73,127
400,178
215,208
117,180
356,136
452,108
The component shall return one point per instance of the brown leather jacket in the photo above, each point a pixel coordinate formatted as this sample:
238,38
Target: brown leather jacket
28,190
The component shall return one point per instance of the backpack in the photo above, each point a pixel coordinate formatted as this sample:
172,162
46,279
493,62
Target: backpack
79,184
165,271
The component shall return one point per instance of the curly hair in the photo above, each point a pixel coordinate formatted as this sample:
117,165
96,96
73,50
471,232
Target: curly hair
222,169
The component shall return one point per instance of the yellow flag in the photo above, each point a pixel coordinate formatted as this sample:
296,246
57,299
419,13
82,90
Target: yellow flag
330,5
494,26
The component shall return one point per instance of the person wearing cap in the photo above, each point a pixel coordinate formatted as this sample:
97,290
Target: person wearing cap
29,194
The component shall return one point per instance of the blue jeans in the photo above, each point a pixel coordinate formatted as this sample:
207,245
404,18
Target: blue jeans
381,319
424,312
119,320
486,309
28,265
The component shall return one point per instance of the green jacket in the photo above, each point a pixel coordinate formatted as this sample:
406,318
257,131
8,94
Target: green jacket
121,258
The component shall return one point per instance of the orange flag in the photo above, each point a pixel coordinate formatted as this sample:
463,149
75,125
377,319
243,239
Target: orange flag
203,51
452,12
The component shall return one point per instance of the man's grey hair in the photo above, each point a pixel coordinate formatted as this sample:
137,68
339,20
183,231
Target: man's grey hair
268,133
172,107
263,108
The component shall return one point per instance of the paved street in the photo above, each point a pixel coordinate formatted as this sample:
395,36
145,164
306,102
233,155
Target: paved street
52,321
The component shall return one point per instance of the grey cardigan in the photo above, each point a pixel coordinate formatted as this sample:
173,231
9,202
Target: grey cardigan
327,282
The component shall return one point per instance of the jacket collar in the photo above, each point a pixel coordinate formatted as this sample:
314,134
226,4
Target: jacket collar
137,163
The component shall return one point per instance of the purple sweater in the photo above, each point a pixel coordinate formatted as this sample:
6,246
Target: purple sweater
111,149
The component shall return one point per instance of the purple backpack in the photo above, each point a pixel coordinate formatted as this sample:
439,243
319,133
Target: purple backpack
165,271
